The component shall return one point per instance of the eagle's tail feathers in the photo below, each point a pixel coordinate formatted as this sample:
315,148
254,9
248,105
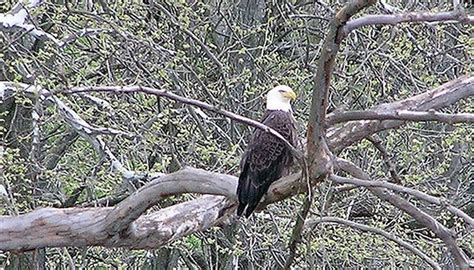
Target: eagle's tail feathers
240,209
243,190
256,195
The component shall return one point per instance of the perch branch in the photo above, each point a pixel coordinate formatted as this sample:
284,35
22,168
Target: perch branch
184,181
78,227
98,226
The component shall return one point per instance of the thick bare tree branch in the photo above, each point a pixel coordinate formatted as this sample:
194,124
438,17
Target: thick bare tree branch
442,96
319,103
185,181
81,227
126,225
403,115
393,19
101,226
338,29
318,154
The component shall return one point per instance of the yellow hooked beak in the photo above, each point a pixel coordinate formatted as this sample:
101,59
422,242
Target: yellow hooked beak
290,94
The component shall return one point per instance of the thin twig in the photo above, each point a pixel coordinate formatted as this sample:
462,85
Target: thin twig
194,102
377,142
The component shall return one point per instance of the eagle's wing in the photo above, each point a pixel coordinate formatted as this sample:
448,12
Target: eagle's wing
264,160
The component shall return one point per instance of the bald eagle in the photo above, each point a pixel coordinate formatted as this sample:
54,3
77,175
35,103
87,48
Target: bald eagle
266,156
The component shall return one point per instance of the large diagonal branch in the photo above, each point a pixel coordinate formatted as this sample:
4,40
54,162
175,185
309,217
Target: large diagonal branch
441,231
442,96
320,97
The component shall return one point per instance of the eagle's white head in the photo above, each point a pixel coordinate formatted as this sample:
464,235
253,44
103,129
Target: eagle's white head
279,98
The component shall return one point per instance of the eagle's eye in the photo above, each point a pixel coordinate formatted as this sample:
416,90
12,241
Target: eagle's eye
281,91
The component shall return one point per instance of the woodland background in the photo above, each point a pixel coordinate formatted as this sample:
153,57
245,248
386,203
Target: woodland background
68,145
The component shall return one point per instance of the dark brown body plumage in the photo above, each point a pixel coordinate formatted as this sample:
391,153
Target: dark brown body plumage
265,159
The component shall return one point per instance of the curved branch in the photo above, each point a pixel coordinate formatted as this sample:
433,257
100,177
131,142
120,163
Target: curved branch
80,227
418,194
120,227
124,224
314,222
446,235
188,180
453,16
